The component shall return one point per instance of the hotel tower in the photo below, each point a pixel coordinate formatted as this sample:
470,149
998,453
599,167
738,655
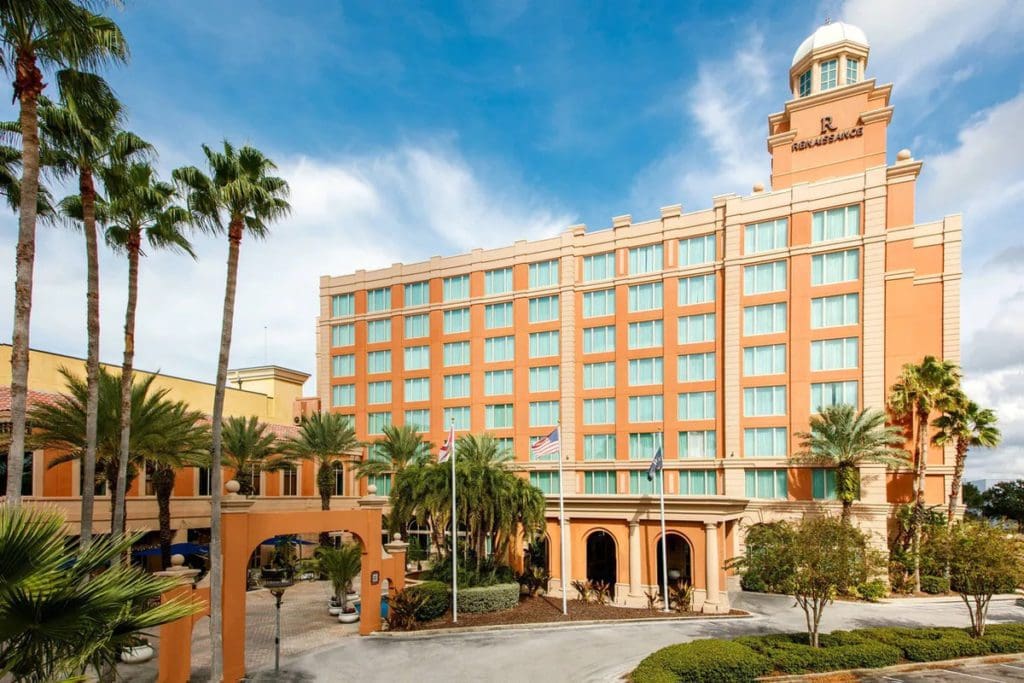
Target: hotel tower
717,332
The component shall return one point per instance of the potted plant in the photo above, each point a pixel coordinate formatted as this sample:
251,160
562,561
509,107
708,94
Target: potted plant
136,650
341,565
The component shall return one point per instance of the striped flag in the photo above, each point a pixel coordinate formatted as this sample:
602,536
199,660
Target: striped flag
447,446
656,464
546,446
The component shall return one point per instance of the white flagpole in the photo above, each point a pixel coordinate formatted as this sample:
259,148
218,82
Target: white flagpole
561,527
455,531
664,538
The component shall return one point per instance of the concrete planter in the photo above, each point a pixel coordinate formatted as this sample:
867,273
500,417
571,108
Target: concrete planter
334,611
137,654
348,617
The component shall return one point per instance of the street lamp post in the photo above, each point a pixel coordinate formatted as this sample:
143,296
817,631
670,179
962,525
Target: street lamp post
277,583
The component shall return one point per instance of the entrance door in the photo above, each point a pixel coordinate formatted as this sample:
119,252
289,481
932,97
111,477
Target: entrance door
601,564
678,552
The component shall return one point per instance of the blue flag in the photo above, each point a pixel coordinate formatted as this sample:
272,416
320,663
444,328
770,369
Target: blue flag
656,465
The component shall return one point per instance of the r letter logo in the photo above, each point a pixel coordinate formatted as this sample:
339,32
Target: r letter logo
826,125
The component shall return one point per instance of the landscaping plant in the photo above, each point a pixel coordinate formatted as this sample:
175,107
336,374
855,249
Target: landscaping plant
983,561
341,565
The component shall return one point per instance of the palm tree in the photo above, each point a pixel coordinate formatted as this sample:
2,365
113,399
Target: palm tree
239,196
65,609
341,565
399,448
324,439
843,438
921,389
139,206
964,424
37,35
247,446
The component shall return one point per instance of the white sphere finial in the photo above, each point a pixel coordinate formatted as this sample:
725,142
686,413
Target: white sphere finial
232,486
903,155
177,560
396,537
372,489
758,187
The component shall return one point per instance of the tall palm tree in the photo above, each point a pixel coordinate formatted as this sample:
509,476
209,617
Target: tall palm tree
38,35
921,389
139,207
246,448
399,448
964,424
324,439
843,438
238,196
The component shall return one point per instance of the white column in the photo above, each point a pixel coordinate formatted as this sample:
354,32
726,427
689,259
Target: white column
635,589
565,582
712,565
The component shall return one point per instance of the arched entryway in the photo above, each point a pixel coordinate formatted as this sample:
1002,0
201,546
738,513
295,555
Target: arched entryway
537,553
679,555
601,560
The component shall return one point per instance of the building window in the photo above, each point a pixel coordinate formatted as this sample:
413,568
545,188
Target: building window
543,274
765,442
835,224
382,482
828,394
417,389
417,326
647,259
543,309
598,411
599,339
497,382
646,371
762,401
764,277
456,321
498,349
343,335
456,386
823,484
418,419
699,289
642,445
26,474
343,366
543,344
599,483
599,266
599,303
378,392
543,413
805,83
696,328
701,443
697,250
599,447
697,405
459,416
343,304
835,311
698,483
764,360
766,484
417,294
835,354
646,408
378,300
852,70
289,482
547,482
498,416
498,281
696,367
378,331
829,71
640,485
376,422
544,378
378,361
203,475
648,297
456,288
646,334
766,236
343,395
505,446
456,353
764,319
599,375
498,315
838,266
339,479
417,358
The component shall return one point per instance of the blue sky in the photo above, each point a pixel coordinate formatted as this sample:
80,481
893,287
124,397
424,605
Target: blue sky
412,131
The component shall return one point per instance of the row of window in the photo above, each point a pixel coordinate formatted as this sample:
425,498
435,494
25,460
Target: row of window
829,76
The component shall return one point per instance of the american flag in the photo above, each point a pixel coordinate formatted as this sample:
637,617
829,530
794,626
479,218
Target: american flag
447,446
546,446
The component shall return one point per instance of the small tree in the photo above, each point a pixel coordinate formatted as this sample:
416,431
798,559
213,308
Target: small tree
341,566
1005,500
764,567
983,560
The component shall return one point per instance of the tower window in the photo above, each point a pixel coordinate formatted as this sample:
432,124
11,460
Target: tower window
805,83
829,74
852,70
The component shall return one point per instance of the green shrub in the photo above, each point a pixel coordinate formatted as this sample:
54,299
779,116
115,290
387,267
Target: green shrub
436,599
703,661
489,598
929,644
934,584
1015,629
873,591
791,653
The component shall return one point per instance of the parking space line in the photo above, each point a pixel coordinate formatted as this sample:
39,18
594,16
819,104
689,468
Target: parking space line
1011,666
961,673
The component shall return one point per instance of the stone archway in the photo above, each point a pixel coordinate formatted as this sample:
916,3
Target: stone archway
602,561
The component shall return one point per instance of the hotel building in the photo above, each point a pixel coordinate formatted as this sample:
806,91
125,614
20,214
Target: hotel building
718,332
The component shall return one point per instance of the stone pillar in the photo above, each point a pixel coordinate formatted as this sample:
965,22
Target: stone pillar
235,550
397,550
635,589
565,582
369,593
712,563
175,663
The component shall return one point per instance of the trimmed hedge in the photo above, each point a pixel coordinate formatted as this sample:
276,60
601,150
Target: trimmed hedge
873,591
792,653
934,585
489,598
436,599
702,661
929,644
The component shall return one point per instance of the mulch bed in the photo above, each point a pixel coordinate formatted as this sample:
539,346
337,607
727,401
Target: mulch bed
541,610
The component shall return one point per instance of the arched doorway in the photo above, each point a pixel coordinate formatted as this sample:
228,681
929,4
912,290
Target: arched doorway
537,553
679,555
601,560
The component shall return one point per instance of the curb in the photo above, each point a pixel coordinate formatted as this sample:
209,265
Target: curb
546,625
899,668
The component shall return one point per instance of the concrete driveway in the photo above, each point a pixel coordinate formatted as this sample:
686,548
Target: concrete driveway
597,653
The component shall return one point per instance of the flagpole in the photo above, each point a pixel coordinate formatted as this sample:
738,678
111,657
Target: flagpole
455,533
664,538
561,525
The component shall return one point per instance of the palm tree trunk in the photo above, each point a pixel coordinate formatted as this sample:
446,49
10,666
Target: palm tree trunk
163,486
117,524
87,191
922,468
958,474
28,84
216,560
324,475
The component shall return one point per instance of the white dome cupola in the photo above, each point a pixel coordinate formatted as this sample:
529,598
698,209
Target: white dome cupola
835,55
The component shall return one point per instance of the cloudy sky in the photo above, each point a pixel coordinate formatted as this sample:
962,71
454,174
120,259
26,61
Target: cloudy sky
411,132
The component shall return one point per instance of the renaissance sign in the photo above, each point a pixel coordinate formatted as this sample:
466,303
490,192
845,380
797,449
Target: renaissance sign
829,134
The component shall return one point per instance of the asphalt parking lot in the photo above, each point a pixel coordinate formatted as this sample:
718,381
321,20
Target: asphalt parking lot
1004,671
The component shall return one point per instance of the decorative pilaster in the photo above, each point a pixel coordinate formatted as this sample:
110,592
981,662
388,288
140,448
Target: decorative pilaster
712,562
635,590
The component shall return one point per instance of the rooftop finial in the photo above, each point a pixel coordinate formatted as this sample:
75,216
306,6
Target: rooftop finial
828,20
